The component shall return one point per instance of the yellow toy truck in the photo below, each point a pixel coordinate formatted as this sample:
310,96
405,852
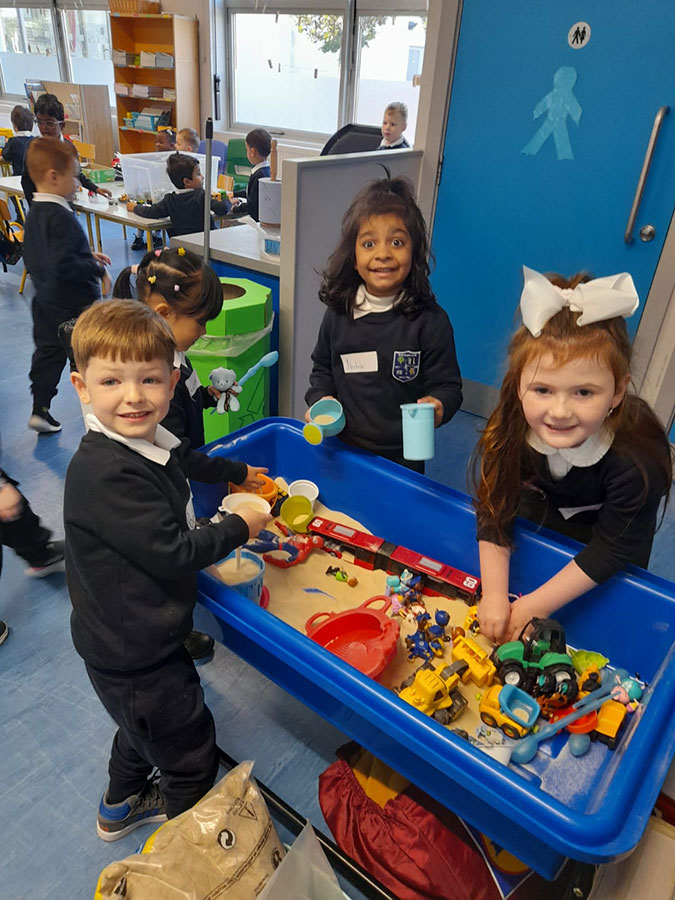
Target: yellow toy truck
434,690
481,670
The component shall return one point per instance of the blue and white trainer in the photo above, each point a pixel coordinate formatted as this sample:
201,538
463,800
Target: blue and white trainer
114,820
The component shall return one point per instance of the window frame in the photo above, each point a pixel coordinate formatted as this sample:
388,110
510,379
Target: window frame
351,11
57,9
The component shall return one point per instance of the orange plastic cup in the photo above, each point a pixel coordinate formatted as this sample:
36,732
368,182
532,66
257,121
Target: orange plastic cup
268,491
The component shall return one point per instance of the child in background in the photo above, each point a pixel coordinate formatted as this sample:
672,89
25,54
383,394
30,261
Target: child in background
65,272
21,530
127,505
187,141
568,447
258,148
394,123
186,311
381,308
14,150
185,206
165,140
50,117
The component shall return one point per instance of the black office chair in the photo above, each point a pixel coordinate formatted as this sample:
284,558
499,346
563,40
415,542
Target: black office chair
353,138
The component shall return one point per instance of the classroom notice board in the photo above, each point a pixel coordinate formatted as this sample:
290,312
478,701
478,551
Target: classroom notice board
316,194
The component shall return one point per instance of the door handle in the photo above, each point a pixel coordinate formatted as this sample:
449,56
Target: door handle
646,163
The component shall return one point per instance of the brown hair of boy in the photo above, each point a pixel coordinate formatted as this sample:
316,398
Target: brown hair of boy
44,154
121,330
398,106
22,118
180,166
261,140
503,461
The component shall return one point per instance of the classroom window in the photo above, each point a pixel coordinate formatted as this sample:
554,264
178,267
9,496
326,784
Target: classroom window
286,71
390,54
87,33
27,47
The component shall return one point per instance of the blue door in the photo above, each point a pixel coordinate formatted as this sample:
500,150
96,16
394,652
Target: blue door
551,112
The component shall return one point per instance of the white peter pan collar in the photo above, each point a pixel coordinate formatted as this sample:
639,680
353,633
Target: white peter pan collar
157,452
560,461
366,303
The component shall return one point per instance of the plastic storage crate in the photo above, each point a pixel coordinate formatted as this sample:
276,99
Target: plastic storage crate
145,176
593,809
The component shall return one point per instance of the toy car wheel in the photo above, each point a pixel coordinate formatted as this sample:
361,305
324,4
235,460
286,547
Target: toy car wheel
443,716
459,704
407,682
565,683
510,731
489,720
513,673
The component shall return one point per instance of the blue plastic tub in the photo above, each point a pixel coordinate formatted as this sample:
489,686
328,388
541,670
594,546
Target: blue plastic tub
593,809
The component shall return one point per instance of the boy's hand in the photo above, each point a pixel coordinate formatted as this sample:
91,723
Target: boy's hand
438,409
131,206
104,191
326,397
213,391
10,503
494,615
252,482
102,258
255,520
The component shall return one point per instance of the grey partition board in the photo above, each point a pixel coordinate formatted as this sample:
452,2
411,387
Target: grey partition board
316,194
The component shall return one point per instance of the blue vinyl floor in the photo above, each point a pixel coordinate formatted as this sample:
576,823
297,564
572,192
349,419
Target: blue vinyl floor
54,734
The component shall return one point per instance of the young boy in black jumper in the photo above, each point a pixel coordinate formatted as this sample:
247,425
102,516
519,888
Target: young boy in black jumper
185,206
132,554
65,272
50,117
258,147
14,150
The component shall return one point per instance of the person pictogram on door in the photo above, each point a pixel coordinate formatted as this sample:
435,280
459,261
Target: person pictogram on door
579,35
559,104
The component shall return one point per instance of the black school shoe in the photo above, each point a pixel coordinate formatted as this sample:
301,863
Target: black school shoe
53,561
198,644
42,422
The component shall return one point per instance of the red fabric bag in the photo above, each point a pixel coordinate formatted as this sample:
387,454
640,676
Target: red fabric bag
414,846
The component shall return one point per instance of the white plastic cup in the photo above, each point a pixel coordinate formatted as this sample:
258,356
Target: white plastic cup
304,488
233,503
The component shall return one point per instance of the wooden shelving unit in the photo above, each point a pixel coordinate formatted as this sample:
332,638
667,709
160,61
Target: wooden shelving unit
165,33
88,116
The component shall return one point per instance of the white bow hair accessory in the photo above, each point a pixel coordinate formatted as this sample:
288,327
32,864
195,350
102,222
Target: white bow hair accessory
597,300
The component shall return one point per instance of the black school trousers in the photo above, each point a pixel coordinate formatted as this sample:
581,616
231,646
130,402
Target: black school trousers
162,721
26,535
49,356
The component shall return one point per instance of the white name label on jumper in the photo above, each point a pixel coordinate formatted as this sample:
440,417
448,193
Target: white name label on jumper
359,362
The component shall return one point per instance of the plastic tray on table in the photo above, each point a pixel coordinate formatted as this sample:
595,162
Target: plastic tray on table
592,809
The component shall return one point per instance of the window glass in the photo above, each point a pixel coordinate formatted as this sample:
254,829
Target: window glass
287,71
390,57
88,38
27,47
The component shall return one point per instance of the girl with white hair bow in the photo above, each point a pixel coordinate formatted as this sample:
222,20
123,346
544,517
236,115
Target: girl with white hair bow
568,447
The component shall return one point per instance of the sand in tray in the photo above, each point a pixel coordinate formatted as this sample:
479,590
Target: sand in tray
233,574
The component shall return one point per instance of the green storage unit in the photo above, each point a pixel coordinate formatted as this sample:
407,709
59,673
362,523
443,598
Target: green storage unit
237,339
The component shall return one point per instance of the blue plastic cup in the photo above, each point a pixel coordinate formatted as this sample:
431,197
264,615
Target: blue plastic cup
251,589
418,430
331,420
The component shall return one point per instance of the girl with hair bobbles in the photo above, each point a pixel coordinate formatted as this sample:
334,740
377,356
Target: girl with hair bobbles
185,292
568,447
384,340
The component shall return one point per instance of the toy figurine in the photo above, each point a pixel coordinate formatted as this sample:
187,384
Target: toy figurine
340,575
225,381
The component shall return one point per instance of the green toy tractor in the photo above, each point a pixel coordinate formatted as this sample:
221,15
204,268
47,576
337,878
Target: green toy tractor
538,661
